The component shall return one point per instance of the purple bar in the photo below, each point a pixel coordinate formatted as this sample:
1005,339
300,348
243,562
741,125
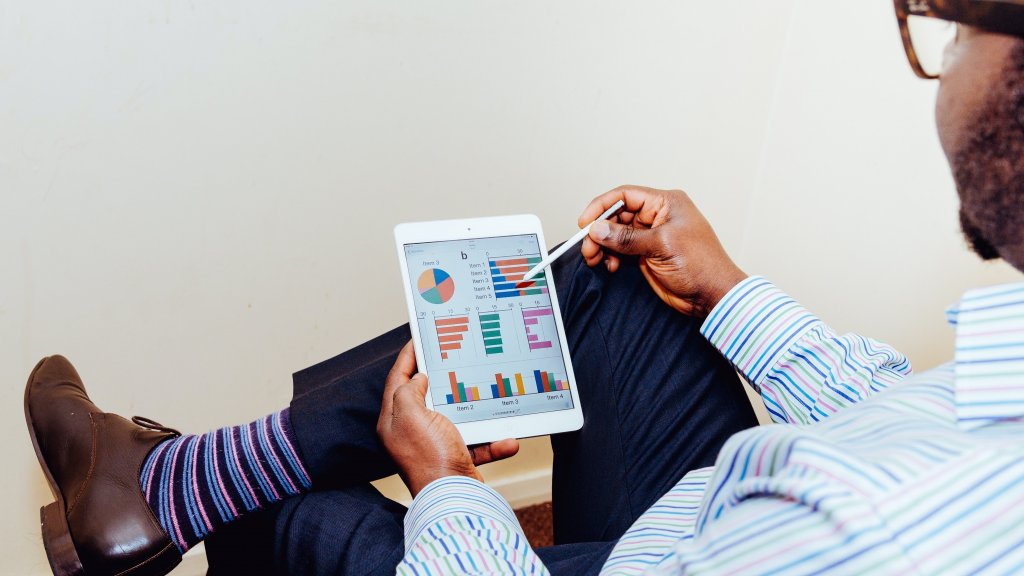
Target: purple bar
532,337
537,312
530,321
539,345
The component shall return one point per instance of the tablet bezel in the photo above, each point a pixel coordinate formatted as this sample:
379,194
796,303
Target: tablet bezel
472,228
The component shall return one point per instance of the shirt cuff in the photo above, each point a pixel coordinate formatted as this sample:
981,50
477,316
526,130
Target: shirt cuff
755,324
456,495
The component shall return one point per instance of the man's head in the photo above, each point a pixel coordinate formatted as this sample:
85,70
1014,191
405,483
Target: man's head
980,117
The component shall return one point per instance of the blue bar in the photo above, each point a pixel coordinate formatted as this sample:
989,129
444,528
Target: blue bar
494,391
540,383
505,286
449,398
506,294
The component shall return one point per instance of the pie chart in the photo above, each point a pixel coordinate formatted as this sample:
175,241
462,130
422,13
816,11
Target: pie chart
436,286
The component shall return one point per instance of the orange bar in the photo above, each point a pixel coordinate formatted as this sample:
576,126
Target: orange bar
451,321
506,270
450,338
455,387
501,385
519,383
512,262
544,379
476,393
452,329
451,346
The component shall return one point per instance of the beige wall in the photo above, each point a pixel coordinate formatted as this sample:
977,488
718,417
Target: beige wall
197,198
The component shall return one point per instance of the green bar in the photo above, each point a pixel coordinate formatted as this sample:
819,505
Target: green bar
508,387
494,350
533,260
490,326
488,317
462,392
539,282
492,339
532,291
551,382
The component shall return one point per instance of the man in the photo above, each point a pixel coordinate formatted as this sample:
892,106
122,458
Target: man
880,471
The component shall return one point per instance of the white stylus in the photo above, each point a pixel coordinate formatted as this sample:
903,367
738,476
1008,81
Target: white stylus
572,242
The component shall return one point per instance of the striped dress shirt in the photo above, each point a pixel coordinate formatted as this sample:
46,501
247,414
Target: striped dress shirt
869,469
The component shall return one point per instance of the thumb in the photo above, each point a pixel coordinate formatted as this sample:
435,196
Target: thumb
411,395
623,239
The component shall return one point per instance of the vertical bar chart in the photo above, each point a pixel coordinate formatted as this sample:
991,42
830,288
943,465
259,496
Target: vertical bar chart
460,392
535,336
505,387
546,382
490,329
451,332
507,275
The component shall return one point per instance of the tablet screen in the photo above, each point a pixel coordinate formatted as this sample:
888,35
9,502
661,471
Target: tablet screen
489,340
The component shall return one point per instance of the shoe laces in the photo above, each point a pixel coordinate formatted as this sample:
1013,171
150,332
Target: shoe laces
154,425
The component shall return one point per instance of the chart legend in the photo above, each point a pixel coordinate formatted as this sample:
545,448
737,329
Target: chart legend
451,332
507,275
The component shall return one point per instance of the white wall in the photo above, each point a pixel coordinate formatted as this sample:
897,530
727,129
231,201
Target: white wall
196,198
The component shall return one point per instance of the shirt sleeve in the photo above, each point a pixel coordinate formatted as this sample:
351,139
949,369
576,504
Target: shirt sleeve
458,525
803,370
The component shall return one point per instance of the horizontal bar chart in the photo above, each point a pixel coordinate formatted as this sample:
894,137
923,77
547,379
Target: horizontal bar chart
507,275
536,339
451,332
490,329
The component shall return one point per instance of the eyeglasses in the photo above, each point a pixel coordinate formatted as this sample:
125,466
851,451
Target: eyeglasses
929,26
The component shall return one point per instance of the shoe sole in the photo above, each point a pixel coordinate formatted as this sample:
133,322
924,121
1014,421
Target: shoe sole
60,548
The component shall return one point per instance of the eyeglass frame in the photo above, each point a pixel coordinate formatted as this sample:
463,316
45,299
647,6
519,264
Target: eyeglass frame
1001,16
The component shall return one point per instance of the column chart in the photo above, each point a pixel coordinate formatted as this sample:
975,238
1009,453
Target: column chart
461,393
507,275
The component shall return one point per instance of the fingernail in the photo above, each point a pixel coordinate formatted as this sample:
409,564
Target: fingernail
600,230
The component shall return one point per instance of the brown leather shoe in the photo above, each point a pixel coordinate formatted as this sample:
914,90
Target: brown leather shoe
100,523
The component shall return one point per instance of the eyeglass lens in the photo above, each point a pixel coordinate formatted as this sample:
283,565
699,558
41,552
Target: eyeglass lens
929,37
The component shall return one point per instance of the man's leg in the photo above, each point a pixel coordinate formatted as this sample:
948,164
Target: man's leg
347,531
658,401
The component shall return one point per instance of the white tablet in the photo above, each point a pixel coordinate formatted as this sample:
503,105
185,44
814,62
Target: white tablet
492,346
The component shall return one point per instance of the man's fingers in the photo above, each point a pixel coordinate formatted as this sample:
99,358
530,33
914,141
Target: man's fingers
403,369
637,199
624,239
484,453
411,394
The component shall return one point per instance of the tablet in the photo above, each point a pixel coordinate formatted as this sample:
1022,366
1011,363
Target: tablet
492,346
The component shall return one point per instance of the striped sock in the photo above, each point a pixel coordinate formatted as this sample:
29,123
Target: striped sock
196,483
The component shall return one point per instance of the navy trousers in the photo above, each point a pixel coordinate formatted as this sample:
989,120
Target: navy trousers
658,401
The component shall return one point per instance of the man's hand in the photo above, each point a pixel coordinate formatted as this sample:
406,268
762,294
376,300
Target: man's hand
678,251
425,444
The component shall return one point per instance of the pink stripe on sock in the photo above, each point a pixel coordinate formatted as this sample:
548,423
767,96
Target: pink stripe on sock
259,466
295,454
155,458
195,484
280,465
241,470
170,497
220,480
